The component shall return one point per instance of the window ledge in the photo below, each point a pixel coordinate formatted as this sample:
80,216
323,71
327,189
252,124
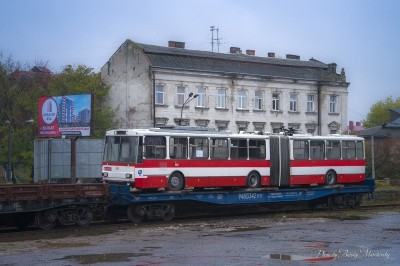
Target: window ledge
162,105
333,114
201,108
276,111
294,112
242,110
258,110
221,109
311,113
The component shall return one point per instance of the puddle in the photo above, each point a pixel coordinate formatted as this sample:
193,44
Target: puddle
54,245
104,258
298,258
392,229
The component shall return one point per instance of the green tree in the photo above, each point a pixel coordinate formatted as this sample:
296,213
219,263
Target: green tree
20,90
82,80
379,113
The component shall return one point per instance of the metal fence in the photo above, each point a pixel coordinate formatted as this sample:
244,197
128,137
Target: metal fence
53,157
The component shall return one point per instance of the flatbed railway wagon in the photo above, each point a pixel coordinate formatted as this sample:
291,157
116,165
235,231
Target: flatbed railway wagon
140,205
49,204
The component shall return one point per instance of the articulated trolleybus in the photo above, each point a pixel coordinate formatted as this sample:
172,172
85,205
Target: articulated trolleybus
182,157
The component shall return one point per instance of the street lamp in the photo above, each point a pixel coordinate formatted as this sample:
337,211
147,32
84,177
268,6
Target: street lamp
190,98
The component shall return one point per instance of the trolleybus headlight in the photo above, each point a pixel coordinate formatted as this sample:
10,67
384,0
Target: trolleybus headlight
105,174
128,175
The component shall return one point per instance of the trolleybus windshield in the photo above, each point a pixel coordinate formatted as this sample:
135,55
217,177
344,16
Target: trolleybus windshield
126,149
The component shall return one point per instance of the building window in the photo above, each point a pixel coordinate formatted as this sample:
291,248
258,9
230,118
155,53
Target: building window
310,103
275,101
159,94
181,92
221,102
258,100
332,103
241,99
293,102
201,98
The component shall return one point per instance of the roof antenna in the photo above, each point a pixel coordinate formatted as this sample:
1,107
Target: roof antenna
212,29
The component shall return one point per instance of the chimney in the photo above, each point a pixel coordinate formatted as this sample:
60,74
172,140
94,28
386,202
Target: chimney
251,52
235,50
270,54
174,44
292,56
351,125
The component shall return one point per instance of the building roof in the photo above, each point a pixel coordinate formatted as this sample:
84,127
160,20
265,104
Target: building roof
377,131
236,64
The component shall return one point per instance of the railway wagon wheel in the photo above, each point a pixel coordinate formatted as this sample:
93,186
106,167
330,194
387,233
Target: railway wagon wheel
330,178
136,214
45,220
253,180
169,212
175,182
85,217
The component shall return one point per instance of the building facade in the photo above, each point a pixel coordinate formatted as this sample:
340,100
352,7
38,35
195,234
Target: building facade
153,86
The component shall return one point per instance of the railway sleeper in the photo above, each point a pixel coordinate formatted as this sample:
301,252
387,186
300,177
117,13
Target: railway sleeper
137,213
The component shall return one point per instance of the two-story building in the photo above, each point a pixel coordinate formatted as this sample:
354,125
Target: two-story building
153,86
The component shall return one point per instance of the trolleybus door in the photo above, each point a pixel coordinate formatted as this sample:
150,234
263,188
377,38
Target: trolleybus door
280,161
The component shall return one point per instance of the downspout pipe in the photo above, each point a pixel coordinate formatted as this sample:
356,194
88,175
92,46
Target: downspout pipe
154,96
319,107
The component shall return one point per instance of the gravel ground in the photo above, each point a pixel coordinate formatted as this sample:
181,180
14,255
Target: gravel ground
253,240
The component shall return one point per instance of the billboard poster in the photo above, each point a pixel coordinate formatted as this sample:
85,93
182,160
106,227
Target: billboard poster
68,115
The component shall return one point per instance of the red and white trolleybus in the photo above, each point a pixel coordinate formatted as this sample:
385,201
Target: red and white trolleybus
180,158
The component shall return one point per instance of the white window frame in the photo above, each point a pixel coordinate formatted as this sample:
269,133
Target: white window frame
201,96
275,101
159,94
311,103
181,94
221,98
241,104
258,100
333,103
293,102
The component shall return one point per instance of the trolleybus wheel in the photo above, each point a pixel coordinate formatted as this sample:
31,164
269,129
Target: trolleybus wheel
85,217
45,220
136,213
330,178
253,180
175,182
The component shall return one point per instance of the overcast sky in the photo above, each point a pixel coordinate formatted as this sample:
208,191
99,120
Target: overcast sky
361,36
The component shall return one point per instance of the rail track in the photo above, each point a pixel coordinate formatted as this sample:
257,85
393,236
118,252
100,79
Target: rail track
203,212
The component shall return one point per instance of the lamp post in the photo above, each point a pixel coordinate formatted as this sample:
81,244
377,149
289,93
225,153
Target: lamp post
190,98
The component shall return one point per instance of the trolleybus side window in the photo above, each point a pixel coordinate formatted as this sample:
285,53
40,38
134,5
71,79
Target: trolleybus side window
348,149
239,149
300,149
155,147
198,148
317,149
332,149
360,149
219,148
256,149
178,147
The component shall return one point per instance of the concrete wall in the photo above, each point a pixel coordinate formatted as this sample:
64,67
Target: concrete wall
131,94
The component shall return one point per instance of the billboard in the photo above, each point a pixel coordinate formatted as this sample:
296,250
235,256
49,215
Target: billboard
68,115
